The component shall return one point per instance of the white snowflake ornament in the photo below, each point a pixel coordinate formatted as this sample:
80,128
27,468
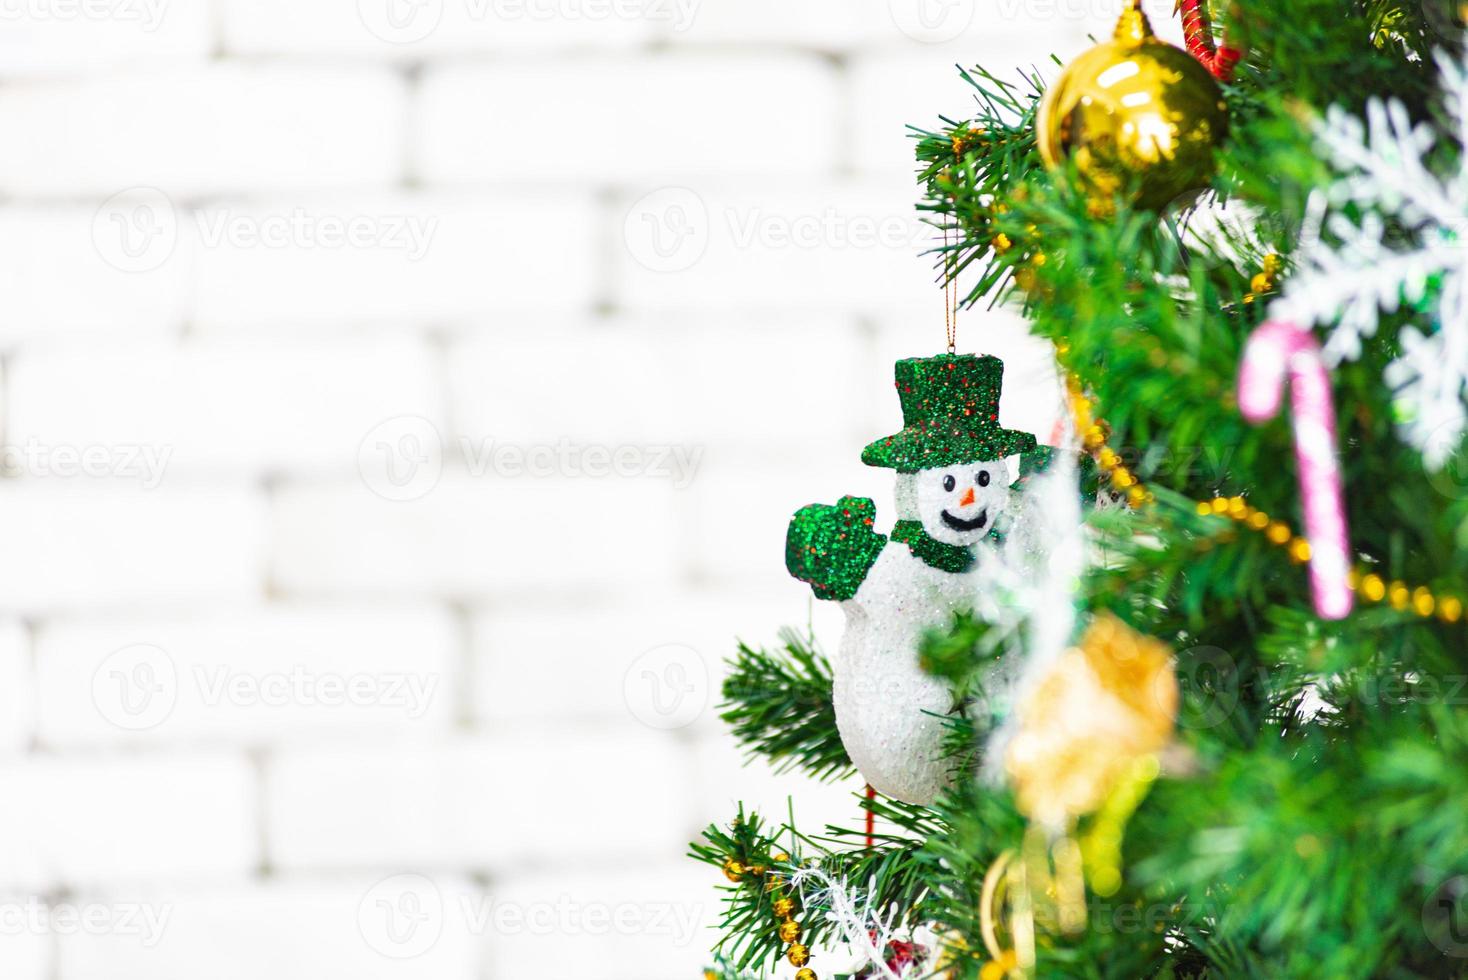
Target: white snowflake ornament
1349,272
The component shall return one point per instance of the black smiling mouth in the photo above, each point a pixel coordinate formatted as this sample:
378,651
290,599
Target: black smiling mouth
958,524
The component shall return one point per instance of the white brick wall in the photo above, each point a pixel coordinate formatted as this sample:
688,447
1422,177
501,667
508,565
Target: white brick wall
628,119
228,127
108,817
401,406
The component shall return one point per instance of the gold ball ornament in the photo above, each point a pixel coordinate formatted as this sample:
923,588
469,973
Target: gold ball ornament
1108,701
798,955
806,974
789,931
734,871
1134,107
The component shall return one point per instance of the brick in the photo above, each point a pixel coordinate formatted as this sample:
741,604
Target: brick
774,382
602,658
434,257
17,690
482,802
617,388
26,955
705,381
220,129
963,32
895,90
54,279
438,30
475,536
645,923
56,38
276,675
804,247
610,120
825,25
98,545
290,931
736,516
237,407
726,779
127,819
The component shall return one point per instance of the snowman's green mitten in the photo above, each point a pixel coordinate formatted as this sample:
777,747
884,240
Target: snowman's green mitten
833,548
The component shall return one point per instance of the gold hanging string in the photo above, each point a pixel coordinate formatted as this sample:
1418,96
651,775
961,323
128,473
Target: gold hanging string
950,295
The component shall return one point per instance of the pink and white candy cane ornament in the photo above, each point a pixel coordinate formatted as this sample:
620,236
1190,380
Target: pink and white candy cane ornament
1278,350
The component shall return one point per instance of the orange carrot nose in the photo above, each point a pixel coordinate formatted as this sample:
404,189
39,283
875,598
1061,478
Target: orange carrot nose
968,497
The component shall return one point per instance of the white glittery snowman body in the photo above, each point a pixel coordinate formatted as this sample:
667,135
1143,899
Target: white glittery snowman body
888,710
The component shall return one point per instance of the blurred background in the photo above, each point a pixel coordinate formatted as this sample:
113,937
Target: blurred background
403,404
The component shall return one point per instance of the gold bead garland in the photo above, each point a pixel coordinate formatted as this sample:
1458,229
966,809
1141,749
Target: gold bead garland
1094,433
788,928
1276,532
1266,281
1369,586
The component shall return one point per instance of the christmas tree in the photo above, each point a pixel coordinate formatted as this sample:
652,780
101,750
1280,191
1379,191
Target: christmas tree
1182,693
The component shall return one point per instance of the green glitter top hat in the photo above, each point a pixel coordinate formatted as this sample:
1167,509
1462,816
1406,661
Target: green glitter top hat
950,414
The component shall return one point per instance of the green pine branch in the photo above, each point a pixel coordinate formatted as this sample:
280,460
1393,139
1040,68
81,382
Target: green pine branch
778,705
894,871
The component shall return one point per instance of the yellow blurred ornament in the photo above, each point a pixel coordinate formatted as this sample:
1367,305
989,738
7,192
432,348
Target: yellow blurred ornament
1099,707
1134,107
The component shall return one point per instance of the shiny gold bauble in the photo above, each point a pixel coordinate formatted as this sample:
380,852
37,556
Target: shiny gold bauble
783,908
806,974
734,871
1134,108
798,955
789,931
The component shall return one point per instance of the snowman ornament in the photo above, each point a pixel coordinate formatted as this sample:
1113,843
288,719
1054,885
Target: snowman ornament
953,487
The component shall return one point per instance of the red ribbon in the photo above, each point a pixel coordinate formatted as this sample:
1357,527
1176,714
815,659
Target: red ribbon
1198,34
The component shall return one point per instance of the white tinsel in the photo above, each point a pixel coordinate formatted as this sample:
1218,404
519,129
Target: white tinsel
1349,272
863,927
1027,591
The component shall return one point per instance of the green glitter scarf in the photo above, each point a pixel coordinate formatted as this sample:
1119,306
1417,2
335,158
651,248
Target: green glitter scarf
934,553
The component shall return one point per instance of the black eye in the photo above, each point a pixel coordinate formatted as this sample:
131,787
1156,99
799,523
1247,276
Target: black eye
983,478
949,483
